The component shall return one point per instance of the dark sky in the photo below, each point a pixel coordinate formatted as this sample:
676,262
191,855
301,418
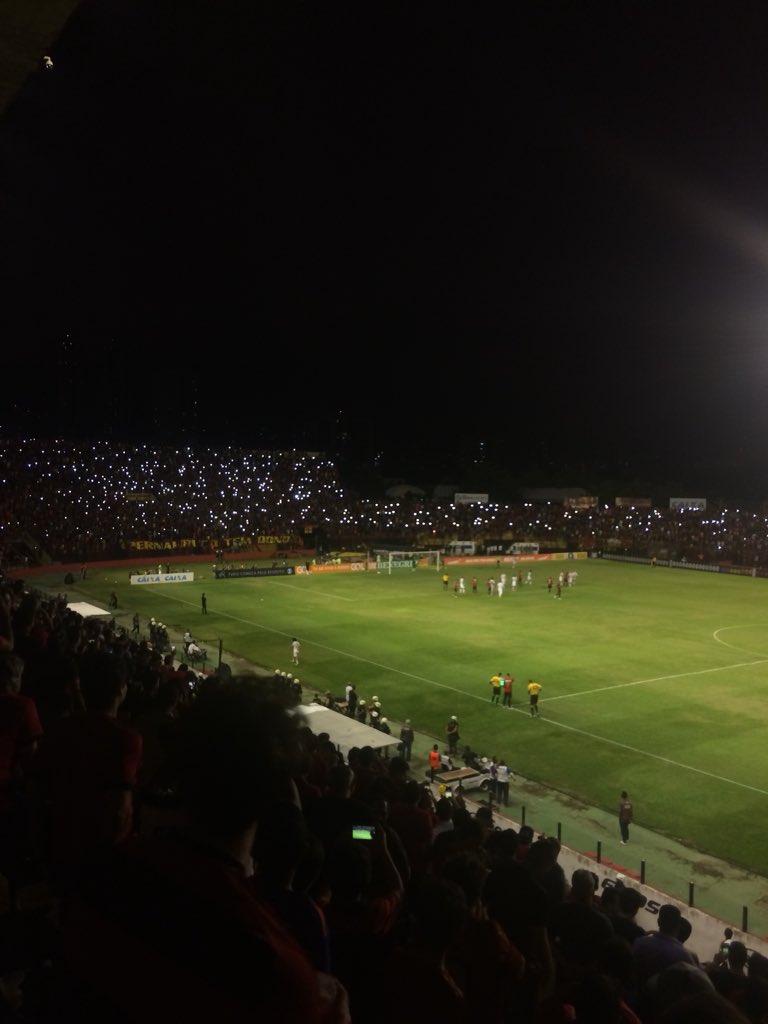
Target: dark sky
535,235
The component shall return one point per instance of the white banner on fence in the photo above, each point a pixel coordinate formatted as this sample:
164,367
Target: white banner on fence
163,577
696,504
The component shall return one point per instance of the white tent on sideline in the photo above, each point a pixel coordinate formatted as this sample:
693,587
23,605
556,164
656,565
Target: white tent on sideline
344,732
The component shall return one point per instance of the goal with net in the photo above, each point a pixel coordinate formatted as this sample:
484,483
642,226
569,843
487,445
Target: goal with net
386,561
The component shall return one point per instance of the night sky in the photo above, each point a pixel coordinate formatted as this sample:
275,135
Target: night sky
418,237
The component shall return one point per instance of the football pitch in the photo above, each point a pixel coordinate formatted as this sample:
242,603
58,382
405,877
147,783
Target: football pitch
655,680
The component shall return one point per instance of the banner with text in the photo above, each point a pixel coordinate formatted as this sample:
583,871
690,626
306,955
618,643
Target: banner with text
226,543
162,577
341,567
223,573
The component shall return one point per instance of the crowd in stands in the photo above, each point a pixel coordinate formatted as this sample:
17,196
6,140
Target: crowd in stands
203,857
90,502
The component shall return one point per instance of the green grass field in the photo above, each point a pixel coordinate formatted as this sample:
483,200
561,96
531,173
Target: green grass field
655,680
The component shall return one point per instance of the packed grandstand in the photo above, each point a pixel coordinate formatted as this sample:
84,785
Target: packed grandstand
66,502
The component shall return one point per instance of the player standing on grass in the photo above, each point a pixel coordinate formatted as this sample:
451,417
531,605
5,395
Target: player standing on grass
508,680
534,689
295,648
495,688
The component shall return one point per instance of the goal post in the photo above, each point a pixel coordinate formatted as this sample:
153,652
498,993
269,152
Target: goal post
389,560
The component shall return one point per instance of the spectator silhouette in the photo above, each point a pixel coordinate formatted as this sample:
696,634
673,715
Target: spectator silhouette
485,964
85,773
20,732
366,896
654,952
624,921
419,985
283,845
518,901
181,908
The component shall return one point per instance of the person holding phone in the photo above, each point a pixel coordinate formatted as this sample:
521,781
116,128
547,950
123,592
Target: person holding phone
367,892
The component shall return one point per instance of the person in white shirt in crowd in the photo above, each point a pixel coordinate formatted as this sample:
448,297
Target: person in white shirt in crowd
194,653
502,782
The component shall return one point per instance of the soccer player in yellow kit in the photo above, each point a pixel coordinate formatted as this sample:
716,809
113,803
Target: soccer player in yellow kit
496,688
534,689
